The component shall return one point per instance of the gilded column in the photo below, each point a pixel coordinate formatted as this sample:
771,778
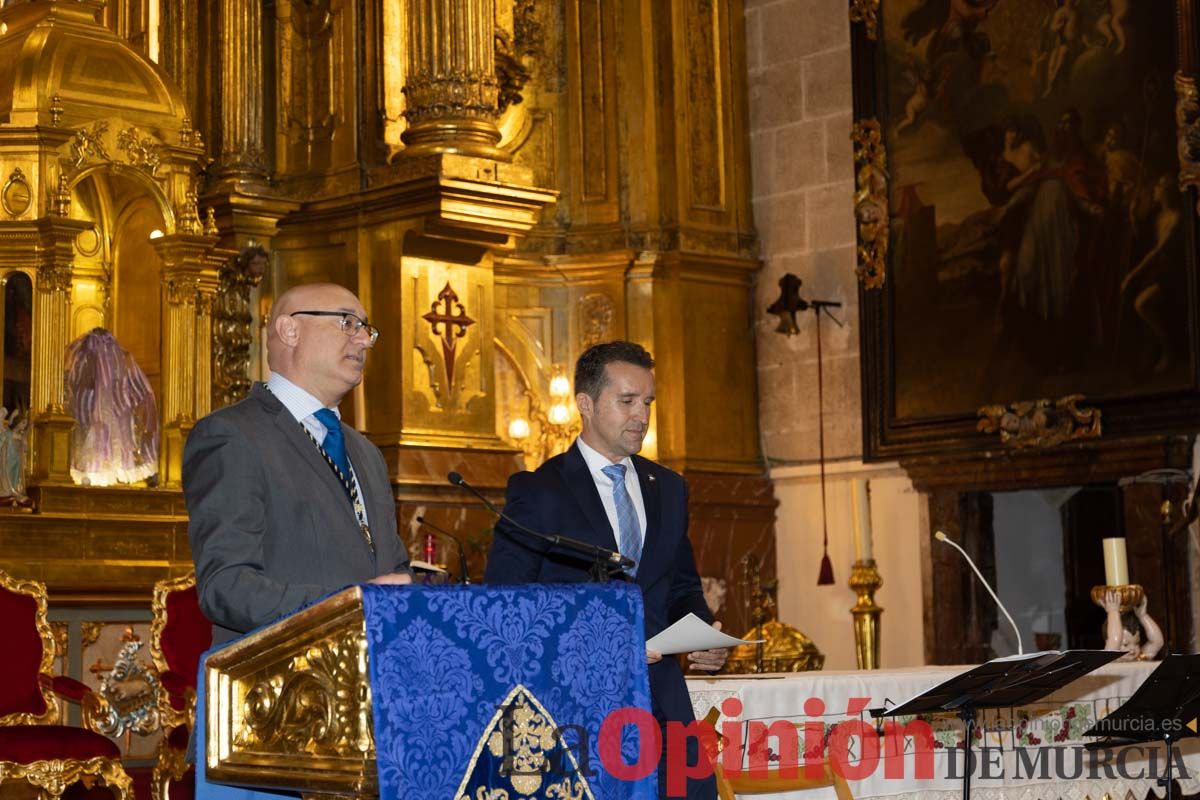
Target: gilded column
51,456
179,30
450,86
189,283
242,156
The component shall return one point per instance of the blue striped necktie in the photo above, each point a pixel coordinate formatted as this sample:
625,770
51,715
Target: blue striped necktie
629,536
335,441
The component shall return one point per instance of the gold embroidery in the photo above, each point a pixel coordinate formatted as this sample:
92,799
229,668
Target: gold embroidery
531,739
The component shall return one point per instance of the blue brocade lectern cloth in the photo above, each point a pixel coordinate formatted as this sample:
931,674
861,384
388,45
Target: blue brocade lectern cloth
469,685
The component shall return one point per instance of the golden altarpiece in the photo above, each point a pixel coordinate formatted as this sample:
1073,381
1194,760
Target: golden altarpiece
503,183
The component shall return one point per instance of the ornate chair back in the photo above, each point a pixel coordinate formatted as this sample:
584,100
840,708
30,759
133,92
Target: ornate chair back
25,696
179,635
47,756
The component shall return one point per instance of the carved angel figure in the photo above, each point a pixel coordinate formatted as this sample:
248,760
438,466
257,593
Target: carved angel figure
116,419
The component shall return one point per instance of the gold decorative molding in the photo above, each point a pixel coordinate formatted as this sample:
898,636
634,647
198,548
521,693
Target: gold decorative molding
871,203
511,74
1040,423
142,152
17,196
56,110
88,145
1187,131
169,715
62,638
596,314
309,706
89,633
232,324
55,776
866,12
289,707
170,764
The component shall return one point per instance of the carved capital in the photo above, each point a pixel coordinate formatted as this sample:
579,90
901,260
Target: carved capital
53,278
182,289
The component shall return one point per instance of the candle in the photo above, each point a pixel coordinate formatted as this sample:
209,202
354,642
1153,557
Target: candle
1116,566
861,508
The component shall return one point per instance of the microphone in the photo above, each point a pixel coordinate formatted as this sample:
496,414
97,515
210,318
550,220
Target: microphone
612,559
941,537
462,555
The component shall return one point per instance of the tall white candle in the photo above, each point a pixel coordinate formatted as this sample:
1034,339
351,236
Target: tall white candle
1116,566
863,550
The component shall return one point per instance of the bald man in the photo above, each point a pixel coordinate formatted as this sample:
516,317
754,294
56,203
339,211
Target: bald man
285,503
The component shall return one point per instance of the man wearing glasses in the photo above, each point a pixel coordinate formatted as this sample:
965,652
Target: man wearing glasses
285,503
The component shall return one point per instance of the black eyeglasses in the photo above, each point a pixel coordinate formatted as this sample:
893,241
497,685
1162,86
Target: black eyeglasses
350,324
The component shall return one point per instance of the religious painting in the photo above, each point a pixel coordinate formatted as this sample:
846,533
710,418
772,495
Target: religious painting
1039,245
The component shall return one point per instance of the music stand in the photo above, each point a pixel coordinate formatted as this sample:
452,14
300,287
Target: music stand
1000,683
1163,709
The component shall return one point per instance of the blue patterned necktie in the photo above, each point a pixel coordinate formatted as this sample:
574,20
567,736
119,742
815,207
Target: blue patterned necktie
335,442
629,537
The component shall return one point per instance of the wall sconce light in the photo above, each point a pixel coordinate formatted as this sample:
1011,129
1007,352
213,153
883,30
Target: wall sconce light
559,414
560,386
547,429
518,429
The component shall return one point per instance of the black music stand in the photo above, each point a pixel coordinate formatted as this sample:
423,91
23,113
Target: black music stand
1163,709
1000,683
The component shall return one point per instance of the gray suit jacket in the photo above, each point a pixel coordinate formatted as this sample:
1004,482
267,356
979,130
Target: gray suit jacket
270,525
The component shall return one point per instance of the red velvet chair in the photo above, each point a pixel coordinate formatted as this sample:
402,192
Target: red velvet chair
179,635
51,757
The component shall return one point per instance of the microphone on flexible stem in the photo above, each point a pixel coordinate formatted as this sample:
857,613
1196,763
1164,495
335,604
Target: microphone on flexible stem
462,554
941,537
610,558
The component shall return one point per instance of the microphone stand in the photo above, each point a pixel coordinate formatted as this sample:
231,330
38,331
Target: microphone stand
605,564
462,555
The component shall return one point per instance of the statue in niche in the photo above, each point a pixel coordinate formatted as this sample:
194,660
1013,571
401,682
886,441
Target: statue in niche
14,429
115,439
1123,629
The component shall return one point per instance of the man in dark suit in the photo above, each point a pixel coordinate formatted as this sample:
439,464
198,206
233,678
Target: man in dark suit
285,503
600,491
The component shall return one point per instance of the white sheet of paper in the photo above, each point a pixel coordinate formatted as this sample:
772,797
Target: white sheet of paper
692,633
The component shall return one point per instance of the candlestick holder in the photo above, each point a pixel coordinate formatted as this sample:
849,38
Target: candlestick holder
1131,595
865,581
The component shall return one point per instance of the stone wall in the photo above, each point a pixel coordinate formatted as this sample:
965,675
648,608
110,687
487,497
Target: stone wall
798,58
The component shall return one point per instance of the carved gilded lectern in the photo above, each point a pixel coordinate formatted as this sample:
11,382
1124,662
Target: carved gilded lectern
430,691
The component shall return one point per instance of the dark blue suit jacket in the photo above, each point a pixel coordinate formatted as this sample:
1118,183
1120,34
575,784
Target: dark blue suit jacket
561,498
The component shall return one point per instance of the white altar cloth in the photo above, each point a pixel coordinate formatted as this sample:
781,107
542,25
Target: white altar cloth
1019,741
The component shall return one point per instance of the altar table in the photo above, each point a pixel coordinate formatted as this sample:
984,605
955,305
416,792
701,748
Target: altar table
1019,740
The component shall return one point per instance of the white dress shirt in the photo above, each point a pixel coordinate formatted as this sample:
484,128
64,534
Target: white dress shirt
302,405
604,485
